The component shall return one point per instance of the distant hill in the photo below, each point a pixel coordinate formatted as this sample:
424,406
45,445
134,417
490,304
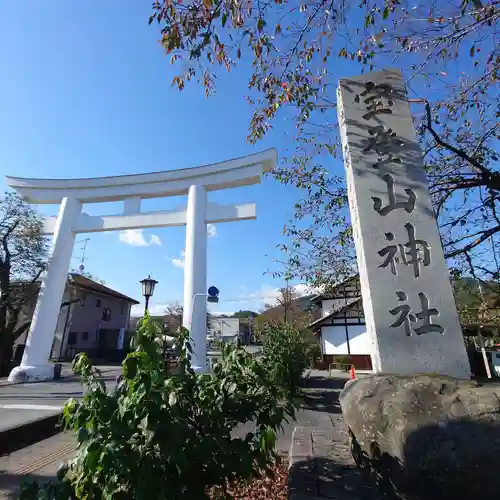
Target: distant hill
245,314
298,305
468,294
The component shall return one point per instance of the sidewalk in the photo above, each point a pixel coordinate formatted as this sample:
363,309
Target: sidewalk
321,466
39,461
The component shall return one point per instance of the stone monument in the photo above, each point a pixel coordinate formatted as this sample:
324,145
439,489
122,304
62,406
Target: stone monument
407,295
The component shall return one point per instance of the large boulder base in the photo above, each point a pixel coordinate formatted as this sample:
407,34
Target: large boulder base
425,436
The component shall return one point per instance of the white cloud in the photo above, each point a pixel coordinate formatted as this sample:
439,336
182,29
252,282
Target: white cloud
302,289
155,240
156,309
270,294
179,261
136,238
211,230
266,295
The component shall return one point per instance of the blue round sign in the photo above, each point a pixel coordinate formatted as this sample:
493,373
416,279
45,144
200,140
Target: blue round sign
213,291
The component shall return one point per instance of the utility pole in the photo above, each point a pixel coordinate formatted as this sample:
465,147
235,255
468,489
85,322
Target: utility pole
84,249
285,302
480,336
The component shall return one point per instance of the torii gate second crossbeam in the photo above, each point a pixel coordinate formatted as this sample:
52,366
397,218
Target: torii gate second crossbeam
71,194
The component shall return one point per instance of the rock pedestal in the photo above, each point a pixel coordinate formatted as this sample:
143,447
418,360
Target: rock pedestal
426,437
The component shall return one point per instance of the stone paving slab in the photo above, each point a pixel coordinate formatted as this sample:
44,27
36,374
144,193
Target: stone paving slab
321,466
39,461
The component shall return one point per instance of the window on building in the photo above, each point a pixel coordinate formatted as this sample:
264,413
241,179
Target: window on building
85,336
106,314
72,338
98,303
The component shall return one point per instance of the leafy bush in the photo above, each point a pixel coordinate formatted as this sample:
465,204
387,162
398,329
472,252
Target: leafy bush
285,356
158,436
313,353
344,360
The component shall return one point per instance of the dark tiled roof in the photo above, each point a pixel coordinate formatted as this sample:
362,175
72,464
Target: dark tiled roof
86,283
89,284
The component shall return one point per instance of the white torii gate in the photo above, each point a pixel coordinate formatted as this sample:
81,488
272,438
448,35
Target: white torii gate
71,194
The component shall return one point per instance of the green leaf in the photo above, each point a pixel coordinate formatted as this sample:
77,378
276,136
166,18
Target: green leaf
130,367
472,51
385,14
224,19
172,399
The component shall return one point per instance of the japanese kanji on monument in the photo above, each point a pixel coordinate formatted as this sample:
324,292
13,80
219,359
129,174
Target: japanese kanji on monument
407,295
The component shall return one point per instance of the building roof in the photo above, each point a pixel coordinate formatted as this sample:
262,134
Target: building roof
333,293
336,310
84,282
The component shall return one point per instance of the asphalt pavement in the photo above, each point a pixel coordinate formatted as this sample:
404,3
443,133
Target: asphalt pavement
24,403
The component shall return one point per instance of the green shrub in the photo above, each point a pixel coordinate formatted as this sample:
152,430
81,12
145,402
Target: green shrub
313,353
158,436
343,360
284,354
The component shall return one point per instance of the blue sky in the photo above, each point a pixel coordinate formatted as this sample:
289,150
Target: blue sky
86,92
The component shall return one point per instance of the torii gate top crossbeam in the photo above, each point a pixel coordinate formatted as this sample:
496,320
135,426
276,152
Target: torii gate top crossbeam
238,172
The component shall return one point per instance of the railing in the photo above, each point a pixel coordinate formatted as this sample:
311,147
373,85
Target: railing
343,367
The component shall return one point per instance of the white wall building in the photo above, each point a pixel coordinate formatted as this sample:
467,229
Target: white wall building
225,329
341,327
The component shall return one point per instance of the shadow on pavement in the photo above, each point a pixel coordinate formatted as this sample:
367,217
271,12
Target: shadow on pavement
10,483
323,478
322,394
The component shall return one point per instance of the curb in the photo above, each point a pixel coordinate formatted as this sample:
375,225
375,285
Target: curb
302,481
30,432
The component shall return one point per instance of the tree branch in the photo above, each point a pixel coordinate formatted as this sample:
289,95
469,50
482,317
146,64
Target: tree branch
467,248
492,178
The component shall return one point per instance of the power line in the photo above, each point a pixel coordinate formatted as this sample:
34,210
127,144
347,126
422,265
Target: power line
84,249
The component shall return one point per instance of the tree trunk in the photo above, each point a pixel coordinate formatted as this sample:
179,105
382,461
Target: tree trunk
5,343
5,360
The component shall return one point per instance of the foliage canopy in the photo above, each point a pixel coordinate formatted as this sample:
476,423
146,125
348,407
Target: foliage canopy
450,58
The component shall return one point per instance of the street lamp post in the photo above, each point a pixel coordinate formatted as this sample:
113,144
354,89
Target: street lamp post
148,288
198,332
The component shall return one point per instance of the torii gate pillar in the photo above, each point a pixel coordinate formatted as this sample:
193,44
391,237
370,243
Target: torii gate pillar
34,365
195,275
71,194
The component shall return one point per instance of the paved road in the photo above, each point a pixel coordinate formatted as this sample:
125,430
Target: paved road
41,460
22,403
